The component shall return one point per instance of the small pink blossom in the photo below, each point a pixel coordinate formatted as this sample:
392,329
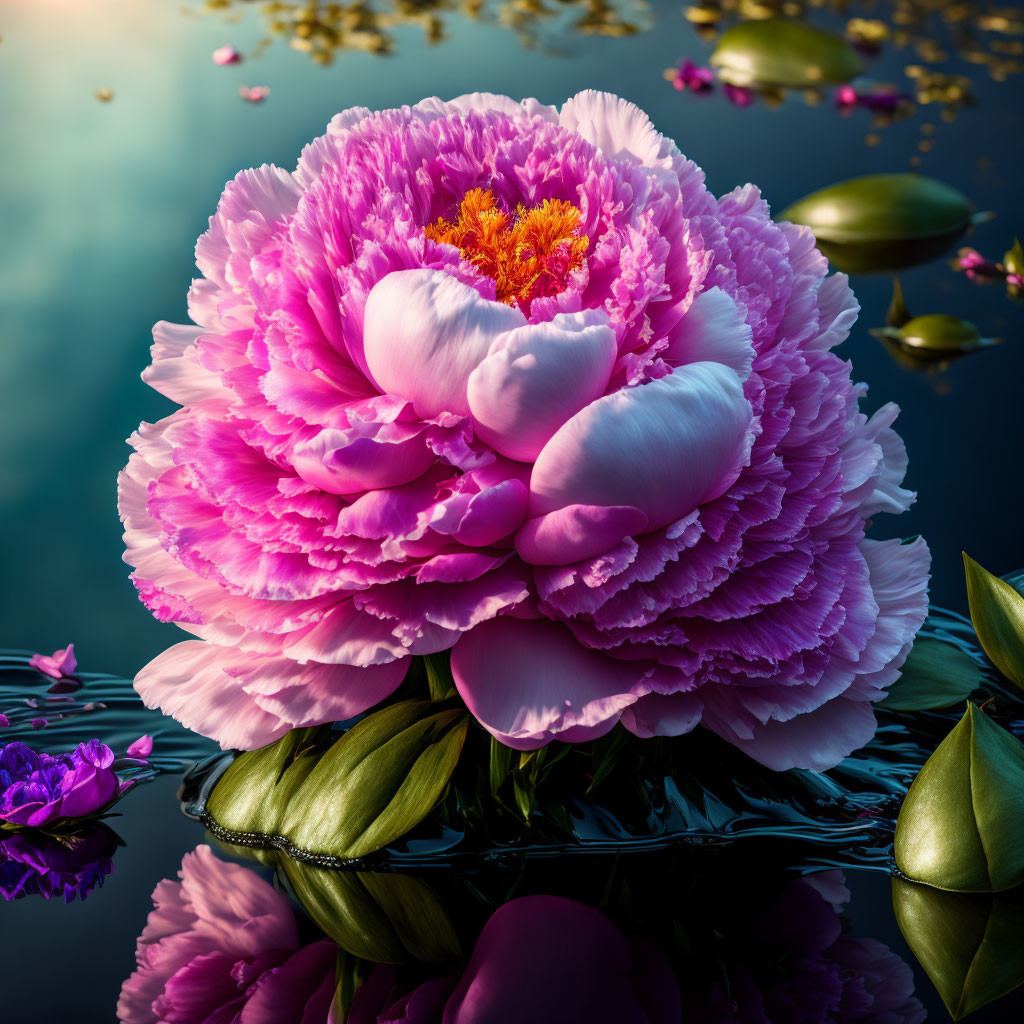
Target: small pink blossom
739,95
141,748
58,665
693,77
254,93
846,96
226,55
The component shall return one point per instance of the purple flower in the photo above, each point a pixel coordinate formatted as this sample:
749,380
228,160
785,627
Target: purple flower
66,866
819,974
222,945
38,789
59,664
543,959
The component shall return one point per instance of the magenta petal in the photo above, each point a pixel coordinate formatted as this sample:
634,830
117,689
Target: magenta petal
547,960
141,748
576,532
86,790
340,464
529,681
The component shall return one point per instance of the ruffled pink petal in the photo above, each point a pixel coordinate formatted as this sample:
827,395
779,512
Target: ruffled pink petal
536,377
618,128
664,447
424,332
189,682
529,682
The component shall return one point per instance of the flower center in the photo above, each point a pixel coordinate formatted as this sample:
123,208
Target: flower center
529,253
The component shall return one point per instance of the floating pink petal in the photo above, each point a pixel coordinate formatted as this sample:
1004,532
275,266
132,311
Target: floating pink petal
226,55
254,93
58,665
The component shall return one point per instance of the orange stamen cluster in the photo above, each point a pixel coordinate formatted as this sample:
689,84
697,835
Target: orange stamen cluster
528,254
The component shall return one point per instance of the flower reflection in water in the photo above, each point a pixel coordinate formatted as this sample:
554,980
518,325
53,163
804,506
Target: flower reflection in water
62,865
669,938
222,943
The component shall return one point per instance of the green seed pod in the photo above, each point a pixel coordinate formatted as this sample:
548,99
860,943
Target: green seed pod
781,52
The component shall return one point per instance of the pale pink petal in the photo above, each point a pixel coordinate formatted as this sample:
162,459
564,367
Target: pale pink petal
714,330
313,693
484,102
424,333
664,447
618,128
190,683
249,213
529,682
176,370
837,311
536,377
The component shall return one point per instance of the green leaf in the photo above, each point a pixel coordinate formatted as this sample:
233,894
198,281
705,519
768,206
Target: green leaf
346,910
970,946
500,764
883,208
782,52
609,757
374,784
349,973
961,826
997,611
253,793
439,675
936,674
941,332
1013,259
389,918
417,915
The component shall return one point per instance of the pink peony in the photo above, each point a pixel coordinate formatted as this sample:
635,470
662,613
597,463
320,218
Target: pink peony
498,377
223,945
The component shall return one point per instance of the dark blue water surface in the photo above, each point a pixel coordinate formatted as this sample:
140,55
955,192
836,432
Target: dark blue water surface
100,206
